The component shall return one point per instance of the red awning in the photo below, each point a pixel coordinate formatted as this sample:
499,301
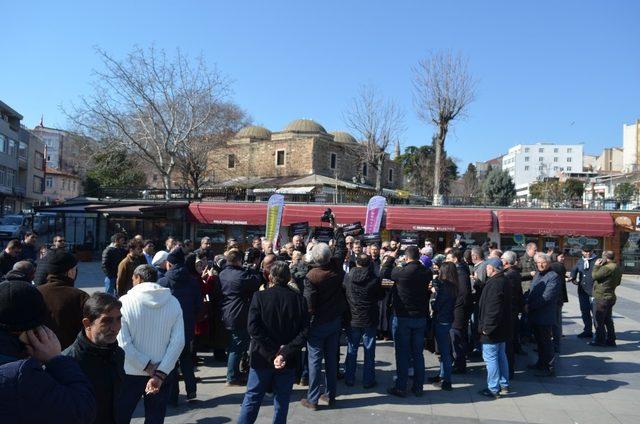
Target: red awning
554,222
439,219
311,213
228,213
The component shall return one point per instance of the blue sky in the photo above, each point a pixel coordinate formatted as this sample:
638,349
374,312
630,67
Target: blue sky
561,71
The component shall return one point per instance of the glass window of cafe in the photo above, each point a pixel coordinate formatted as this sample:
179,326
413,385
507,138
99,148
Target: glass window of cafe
214,232
630,243
517,242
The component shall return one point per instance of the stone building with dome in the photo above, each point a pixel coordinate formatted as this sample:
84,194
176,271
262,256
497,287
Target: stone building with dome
302,159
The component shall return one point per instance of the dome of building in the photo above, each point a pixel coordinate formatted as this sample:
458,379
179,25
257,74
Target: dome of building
305,126
343,137
254,131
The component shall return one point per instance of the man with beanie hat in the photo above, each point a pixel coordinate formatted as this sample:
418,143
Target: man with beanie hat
37,384
63,300
186,289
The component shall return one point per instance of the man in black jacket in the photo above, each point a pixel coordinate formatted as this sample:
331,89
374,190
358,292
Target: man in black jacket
112,255
494,328
410,304
96,350
9,256
326,302
22,271
238,286
512,273
581,276
363,290
278,324
461,313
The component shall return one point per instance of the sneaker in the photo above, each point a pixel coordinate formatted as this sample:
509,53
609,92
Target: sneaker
309,405
488,393
191,396
504,390
304,382
327,400
396,392
446,385
585,335
434,380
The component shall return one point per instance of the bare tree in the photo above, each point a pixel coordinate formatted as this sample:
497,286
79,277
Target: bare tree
193,162
378,123
443,90
152,105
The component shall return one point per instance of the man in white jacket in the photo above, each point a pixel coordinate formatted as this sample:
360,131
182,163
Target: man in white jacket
152,337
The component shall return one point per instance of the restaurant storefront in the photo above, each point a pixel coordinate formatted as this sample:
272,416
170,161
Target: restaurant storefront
627,240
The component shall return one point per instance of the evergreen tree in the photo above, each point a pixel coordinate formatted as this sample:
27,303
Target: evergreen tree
499,189
113,169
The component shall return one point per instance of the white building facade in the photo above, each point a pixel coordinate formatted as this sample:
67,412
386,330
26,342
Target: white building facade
528,163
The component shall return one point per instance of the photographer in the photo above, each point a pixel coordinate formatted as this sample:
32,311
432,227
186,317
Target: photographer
326,302
607,275
410,304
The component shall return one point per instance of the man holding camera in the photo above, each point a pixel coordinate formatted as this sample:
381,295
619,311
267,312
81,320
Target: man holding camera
410,300
607,275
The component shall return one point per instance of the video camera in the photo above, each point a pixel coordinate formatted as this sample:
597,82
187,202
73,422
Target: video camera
326,216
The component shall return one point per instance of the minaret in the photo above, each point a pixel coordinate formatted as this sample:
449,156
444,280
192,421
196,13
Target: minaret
396,152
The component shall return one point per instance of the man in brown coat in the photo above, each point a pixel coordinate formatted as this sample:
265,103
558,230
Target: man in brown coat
63,300
124,280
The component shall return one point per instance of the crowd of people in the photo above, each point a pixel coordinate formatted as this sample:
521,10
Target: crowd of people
277,318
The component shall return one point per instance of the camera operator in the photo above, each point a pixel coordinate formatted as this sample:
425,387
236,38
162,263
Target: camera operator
327,303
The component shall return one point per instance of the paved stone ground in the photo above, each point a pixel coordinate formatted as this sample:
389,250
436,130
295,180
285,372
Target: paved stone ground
593,385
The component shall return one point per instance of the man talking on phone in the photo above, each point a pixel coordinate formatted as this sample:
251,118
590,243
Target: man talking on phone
37,383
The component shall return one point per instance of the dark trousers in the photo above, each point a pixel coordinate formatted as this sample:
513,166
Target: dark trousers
474,338
261,380
185,362
543,335
459,343
155,406
586,310
605,331
238,346
408,338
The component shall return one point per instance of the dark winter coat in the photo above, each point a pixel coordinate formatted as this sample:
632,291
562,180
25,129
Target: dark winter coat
298,273
7,262
444,302
323,288
410,293
560,269
278,323
583,276
494,324
111,258
238,286
364,290
542,301
186,289
65,304
104,366
517,297
16,276
464,300
124,276
59,393
29,252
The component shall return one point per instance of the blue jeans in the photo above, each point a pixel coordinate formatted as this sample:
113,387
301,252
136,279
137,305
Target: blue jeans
280,381
408,338
155,406
444,345
238,345
323,342
110,285
495,356
586,309
368,337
